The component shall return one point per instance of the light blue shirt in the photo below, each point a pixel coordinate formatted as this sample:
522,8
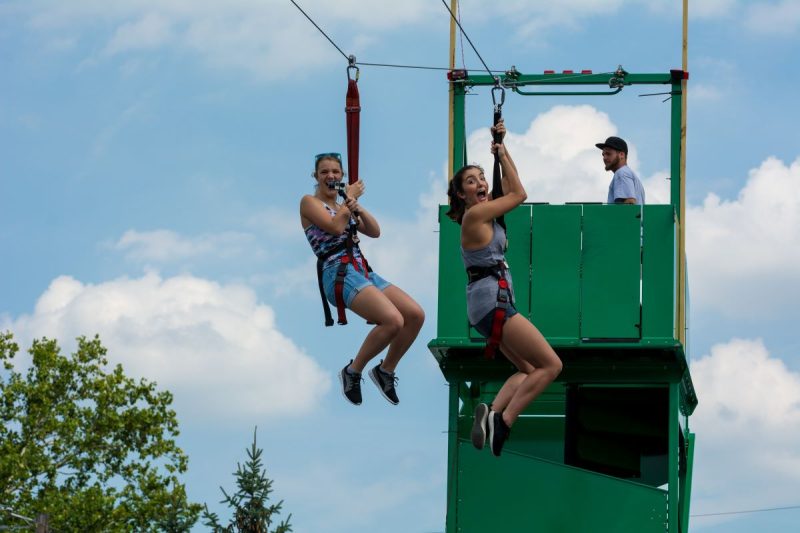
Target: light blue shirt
625,184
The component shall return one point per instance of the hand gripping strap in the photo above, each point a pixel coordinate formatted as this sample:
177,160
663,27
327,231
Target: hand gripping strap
497,174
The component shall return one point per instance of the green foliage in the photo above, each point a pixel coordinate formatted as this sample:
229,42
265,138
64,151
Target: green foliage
250,512
88,445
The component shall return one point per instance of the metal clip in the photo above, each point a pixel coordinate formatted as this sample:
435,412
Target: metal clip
352,65
618,81
498,87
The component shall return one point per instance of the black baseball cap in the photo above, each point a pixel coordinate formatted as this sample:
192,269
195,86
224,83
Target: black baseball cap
615,143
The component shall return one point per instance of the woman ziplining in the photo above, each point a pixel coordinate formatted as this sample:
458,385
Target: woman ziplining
344,276
490,302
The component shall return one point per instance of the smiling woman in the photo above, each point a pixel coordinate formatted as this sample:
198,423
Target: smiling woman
346,280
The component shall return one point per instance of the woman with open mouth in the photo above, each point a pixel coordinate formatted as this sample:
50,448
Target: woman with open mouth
490,302
347,281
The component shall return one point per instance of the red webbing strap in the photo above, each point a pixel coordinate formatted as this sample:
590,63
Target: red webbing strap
352,111
499,319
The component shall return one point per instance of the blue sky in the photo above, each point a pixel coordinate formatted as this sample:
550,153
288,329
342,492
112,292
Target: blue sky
152,158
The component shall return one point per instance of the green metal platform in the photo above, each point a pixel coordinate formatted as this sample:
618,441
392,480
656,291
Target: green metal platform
607,447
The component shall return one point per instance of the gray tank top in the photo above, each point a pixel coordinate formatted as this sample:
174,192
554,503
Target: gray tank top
482,294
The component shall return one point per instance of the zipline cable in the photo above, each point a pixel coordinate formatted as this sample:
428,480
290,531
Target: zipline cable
467,36
390,65
748,511
394,65
320,29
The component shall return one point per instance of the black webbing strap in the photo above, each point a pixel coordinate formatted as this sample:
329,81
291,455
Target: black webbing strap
320,260
497,176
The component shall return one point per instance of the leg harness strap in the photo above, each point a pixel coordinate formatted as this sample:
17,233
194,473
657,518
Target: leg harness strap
504,299
341,273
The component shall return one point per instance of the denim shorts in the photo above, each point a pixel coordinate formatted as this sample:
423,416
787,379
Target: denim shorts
484,325
354,281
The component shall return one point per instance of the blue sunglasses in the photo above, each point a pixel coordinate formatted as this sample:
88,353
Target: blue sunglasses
336,155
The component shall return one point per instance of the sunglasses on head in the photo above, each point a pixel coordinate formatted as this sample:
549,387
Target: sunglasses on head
335,155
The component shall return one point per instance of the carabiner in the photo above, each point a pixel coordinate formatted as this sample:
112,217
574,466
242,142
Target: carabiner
498,87
352,65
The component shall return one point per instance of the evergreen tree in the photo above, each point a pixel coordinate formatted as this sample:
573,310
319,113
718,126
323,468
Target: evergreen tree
250,511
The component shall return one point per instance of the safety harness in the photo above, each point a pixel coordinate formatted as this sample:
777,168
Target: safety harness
350,244
498,271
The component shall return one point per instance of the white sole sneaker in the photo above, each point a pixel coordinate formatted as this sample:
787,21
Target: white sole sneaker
377,383
479,426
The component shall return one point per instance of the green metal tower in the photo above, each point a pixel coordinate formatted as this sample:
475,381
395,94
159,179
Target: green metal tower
607,448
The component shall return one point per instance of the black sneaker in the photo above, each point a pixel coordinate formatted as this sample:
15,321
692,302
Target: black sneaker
351,384
479,426
498,433
385,382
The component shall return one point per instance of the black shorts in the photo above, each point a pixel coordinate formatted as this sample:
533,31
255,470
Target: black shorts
484,325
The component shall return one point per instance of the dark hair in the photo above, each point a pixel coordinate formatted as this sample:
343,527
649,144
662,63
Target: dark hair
456,185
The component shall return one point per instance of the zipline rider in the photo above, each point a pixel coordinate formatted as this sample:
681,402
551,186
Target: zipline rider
346,279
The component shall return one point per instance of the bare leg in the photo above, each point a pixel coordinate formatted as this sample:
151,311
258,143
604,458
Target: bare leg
372,305
413,317
507,391
538,366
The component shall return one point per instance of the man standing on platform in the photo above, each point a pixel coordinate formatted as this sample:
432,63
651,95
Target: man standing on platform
625,187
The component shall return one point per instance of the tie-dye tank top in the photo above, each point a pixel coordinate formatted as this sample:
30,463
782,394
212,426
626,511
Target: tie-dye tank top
321,242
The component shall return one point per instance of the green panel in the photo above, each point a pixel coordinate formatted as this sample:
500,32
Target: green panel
518,232
611,272
686,483
538,432
536,436
555,270
459,128
452,311
675,148
518,256
674,452
526,494
658,272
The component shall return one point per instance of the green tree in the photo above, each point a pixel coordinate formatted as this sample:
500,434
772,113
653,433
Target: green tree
250,511
89,446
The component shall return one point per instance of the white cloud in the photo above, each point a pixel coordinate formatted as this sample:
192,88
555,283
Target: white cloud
748,425
531,19
748,249
166,246
703,92
270,39
150,31
214,346
774,18
710,8
562,140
